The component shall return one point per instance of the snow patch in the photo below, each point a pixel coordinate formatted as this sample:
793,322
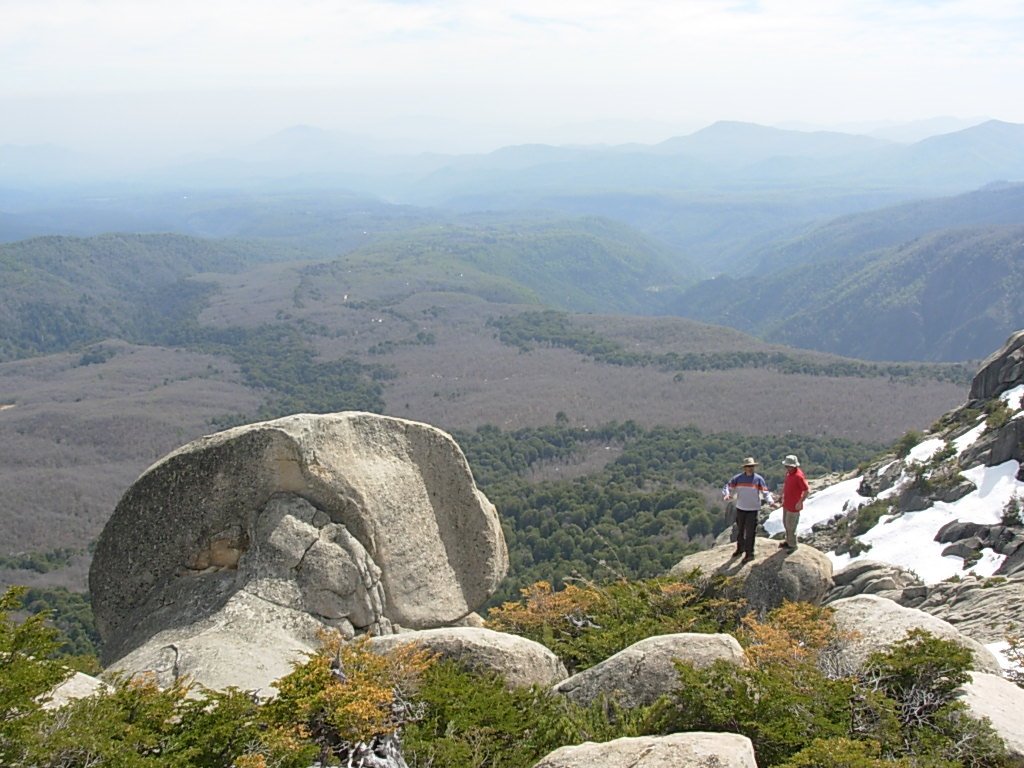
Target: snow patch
923,451
909,540
967,439
1014,398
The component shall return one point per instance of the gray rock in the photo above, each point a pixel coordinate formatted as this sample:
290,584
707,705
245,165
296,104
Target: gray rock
1000,371
256,537
881,476
775,574
949,493
983,608
639,674
248,644
1013,564
912,595
955,530
679,750
966,549
78,686
870,577
874,623
520,661
1001,702
998,446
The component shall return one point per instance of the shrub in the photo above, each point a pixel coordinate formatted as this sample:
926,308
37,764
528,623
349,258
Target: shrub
1015,653
998,414
868,515
583,625
781,713
27,675
919,678
782,702
800,708
909,440
1012,512
946,452
842,753
348,700
472,721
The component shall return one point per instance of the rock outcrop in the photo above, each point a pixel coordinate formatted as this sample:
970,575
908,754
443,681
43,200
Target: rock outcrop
1001,702
872,623
235,549
775,574
984,608
1001,370
520,661
872,577
692,750
78,686
638,675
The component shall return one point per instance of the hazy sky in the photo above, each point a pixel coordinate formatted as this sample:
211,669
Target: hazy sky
475,74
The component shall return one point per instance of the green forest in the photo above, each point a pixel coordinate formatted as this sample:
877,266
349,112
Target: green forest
554,328
645,510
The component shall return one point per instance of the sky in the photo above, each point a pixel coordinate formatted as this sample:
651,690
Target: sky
472,75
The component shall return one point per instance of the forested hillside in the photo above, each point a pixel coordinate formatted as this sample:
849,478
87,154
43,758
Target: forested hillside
934,280
60,293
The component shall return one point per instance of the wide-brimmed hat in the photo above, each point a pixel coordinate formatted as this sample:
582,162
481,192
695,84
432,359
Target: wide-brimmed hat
791,461
749,462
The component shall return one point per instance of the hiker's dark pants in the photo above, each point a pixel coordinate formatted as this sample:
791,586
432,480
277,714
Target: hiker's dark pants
746,525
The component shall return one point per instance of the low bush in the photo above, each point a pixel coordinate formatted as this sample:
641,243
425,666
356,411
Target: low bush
583,625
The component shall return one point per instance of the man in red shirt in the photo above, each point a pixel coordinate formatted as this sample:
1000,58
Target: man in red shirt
794,491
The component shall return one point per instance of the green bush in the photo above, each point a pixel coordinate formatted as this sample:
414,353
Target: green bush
476,721
27,674
868,515
1012,512
998,414
909,440
583,625
842,753
904,700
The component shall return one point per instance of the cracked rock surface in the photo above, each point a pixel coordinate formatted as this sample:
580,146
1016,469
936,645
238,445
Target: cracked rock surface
226,557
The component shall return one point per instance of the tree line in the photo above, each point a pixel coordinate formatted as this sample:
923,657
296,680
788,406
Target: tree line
554,328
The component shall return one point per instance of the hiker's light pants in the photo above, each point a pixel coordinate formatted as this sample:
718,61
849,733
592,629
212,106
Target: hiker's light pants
789,521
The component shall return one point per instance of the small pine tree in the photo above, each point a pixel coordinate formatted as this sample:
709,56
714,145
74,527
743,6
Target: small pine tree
1012,512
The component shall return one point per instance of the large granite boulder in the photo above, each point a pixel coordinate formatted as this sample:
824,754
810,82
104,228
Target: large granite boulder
520,661
678,750
872,623
775,575
1001,702
233,551
639,674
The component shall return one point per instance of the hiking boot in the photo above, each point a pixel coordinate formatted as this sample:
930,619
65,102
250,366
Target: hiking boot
737,553
747,558
783,545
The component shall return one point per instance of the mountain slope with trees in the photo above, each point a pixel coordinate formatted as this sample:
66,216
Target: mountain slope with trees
933,280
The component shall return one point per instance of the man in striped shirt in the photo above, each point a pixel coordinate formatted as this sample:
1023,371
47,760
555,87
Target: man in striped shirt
747,489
